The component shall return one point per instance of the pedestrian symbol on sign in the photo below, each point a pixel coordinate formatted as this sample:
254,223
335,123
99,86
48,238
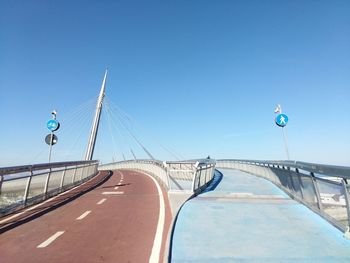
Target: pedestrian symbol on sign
281,120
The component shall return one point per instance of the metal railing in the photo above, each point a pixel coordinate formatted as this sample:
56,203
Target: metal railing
21,186
152,167
174,175
322,188
203,175
190,175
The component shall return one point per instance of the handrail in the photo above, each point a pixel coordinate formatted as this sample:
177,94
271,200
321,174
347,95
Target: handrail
325,169
33,167
155,168
25,185
322,188
203,175
188,175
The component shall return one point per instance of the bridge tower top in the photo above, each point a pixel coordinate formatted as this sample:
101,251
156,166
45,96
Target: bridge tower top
92,138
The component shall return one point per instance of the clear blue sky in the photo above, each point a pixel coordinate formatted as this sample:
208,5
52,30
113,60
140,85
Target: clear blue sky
202,77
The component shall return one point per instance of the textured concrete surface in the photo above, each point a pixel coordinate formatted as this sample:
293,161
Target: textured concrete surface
248,219
176,199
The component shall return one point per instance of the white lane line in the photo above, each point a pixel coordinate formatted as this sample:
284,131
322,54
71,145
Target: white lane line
116,187
33,207
158,238
121,174
83,215
101,201
11,217
50,239
113,193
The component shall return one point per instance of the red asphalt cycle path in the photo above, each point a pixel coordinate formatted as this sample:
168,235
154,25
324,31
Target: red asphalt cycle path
120,228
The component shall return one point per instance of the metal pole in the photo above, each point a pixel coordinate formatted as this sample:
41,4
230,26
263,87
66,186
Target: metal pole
62,178
317,191
50,148
26,192
47,181
285,143
54,115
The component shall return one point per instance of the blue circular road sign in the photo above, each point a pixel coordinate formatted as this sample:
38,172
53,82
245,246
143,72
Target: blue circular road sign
53,125
281,120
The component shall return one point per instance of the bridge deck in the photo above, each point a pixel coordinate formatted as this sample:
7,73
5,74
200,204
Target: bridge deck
249,219
115,222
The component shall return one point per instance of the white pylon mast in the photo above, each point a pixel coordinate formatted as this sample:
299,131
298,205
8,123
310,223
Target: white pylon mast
95,124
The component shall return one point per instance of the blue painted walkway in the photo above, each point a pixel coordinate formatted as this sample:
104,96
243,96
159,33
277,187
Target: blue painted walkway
248,219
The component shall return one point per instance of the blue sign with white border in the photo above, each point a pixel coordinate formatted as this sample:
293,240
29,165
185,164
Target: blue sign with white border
281,120
53,125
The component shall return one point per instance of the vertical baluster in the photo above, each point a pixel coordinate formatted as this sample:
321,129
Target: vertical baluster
200,177
207,174
47,181
26,192
62,178
291,180
347,201
1,180
318,196
168,177
194,176
82,173
300,183
75,172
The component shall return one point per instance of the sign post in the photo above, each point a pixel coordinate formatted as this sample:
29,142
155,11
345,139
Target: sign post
51,139
281,120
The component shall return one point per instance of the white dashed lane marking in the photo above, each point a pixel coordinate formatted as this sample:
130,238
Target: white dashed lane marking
113,193
50,239
40,204
101,201
83,215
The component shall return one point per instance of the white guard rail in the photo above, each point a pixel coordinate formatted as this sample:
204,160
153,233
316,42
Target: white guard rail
152,167
21,186
179,175
322,188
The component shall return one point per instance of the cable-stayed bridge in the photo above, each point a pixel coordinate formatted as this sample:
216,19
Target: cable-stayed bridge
149,210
